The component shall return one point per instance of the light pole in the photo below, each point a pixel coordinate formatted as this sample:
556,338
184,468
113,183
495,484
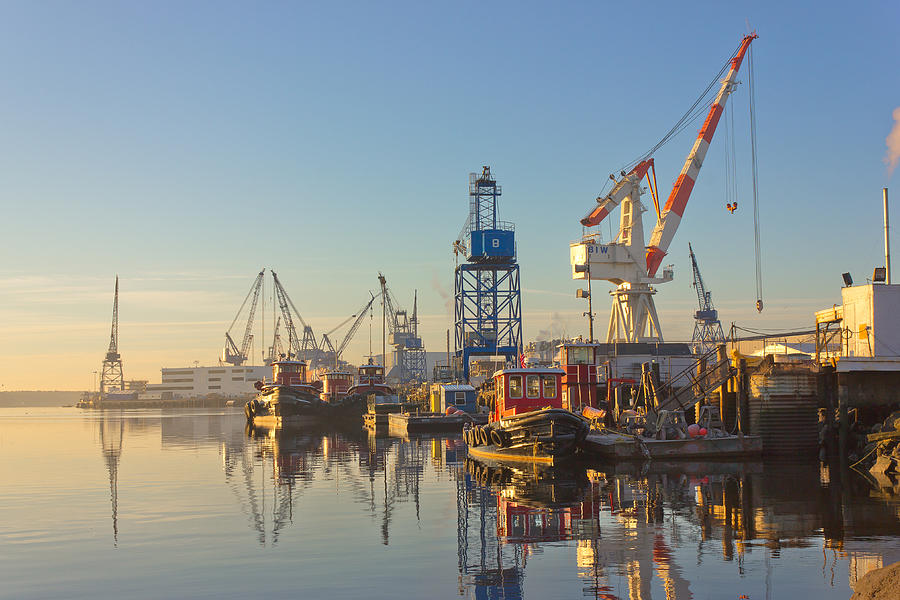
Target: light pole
586,269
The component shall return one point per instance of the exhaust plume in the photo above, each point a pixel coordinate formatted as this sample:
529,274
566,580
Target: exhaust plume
892,156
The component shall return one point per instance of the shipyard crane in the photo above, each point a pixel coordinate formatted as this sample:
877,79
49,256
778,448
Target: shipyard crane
357,318
707,329
111,379
409,353
626,261
304,348
231,353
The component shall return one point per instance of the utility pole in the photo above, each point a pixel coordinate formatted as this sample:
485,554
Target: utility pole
383,282
586,268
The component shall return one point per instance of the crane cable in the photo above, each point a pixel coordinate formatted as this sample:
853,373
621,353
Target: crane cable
756,240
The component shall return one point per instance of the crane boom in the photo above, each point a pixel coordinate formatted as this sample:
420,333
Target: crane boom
620,191
353,328
671,215
232,353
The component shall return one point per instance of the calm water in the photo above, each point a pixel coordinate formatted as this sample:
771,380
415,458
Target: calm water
150,504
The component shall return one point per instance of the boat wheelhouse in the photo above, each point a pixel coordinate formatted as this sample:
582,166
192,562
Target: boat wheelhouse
519,391
335,385
582,376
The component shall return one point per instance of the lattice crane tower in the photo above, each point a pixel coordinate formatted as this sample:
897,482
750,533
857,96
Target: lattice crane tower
111,379
488,307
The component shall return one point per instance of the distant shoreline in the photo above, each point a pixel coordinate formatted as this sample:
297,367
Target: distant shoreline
40,397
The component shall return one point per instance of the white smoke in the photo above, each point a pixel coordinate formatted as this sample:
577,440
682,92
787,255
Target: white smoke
892,156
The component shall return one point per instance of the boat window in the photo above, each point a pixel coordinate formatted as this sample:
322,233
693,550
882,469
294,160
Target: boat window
515,386
533,386
580,355
498,389
460,398
549,387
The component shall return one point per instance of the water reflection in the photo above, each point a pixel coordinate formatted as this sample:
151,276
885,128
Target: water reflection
649,517
111,433
626,531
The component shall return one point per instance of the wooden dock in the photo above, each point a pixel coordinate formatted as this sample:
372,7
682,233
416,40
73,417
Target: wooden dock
617,446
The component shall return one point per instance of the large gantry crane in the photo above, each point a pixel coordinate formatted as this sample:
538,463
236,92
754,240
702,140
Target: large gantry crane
231,353
627,262
409,352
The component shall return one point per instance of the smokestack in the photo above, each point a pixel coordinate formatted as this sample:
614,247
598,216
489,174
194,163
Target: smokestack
887,239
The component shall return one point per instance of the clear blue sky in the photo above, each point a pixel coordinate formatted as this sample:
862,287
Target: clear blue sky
186,145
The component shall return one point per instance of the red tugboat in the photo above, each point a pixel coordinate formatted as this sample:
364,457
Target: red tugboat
370,380
528,421
288,399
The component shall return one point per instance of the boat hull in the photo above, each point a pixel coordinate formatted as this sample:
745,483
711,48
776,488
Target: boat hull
546,436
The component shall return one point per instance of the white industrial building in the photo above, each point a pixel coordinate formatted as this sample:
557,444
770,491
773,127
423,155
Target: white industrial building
187,382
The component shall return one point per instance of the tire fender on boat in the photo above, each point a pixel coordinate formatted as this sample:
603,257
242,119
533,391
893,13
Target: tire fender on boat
497,438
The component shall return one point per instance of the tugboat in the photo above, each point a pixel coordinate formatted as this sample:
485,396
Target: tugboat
370,380
288,399
527,421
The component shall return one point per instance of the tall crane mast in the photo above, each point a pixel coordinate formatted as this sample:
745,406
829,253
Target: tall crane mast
707,328
231,353
111,376
626,261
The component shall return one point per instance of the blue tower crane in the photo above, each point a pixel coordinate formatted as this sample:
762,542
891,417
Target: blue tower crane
488,307
707,329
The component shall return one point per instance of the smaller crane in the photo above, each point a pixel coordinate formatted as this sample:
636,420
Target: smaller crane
707,329
232,354
357,317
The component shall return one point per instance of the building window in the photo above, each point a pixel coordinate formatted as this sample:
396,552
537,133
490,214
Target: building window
549,387
237,378
215,387
533,386
217,370
215,379
168,372
515,386
177,380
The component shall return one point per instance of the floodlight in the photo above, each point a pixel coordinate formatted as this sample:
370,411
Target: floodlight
848,281
879,274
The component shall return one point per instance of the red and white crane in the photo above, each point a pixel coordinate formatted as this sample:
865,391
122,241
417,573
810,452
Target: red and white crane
626,261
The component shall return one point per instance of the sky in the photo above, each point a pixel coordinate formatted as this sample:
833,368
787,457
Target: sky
183,146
